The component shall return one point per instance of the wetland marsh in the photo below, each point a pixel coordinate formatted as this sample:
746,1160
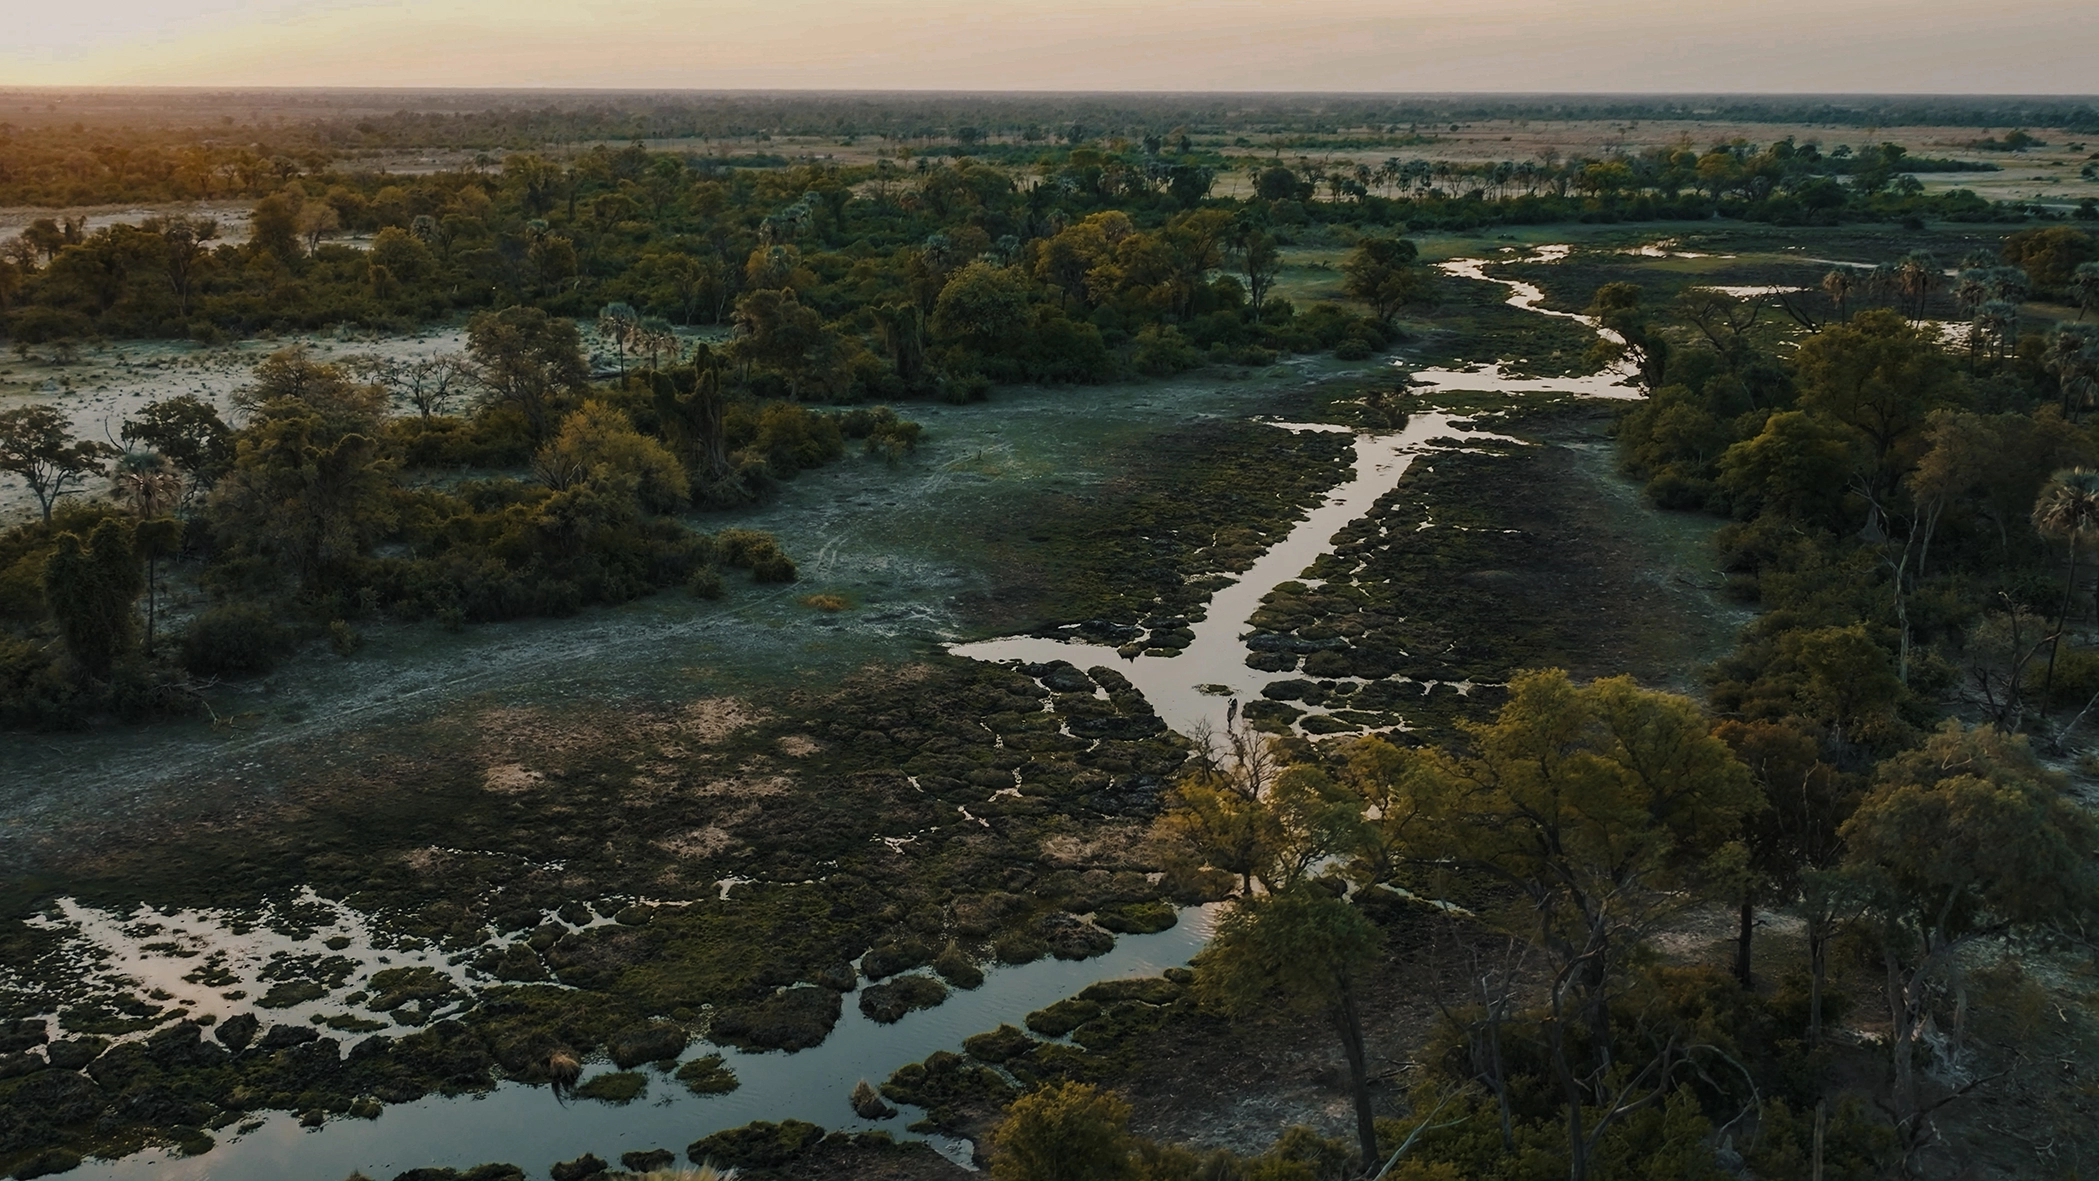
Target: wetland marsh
870,647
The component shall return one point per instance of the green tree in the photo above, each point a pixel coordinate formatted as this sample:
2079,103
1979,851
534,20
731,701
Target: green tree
2067,511
1798,466
1965,839
184,255
304,493
2050,255
599,445
527,360
1065,1132
1805,802
291,375
696,423
1304,948
2083,287
1626,334
187,432
983,307
273,228
617,323
37,444
1605,809
1238,809
90,588
150,487
1881,377
1385,274
403,255
1259,261
776,330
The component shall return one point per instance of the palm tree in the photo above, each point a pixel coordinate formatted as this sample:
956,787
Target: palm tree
1837,285
1916,276
2068,510
2084,287
2073,356
148,485
1998,319
616,325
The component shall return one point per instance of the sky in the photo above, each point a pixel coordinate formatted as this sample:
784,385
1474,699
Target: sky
1614,46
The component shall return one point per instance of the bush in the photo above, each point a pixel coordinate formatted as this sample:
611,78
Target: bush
706,583
235,640
344,638
756,552
887,1003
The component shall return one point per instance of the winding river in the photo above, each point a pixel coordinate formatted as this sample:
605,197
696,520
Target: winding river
1192,692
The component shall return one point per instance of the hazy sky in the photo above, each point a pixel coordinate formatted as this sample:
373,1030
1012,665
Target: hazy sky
1908,46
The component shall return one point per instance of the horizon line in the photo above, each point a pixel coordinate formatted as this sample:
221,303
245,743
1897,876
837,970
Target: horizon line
203,88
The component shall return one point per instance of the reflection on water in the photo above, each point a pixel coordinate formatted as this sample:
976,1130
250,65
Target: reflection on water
1175,686
525,1126
1611,383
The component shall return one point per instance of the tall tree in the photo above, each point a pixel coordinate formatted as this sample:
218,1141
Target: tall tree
1385,274
184,255
1626,334
1881,377
186,431
90,588
2067,511
527,360
1968,838
1605,809
37,444
1305,948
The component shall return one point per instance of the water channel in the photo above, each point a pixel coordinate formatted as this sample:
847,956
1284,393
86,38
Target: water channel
1192,692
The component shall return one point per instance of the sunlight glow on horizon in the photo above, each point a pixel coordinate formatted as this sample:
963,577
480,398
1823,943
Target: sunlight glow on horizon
1622,46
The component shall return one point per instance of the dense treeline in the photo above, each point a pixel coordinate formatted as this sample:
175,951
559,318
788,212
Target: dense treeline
845,283
1786,183
903,277
1883,487
527,119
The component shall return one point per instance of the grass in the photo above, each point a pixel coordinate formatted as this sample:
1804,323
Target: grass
618,1088
827,602
707,1076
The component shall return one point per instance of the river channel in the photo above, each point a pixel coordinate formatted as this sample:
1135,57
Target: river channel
1193,693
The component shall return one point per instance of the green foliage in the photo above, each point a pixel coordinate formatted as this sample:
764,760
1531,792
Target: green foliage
36,444
598,446
618,1088
1065,1132
188,432
1881,378
1301,947
527,360
2051,255
233,640
1384,273
759,1145
707,1075
1969,832
91,588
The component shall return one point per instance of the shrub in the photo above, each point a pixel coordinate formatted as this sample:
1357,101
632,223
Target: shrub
344,638
234,640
